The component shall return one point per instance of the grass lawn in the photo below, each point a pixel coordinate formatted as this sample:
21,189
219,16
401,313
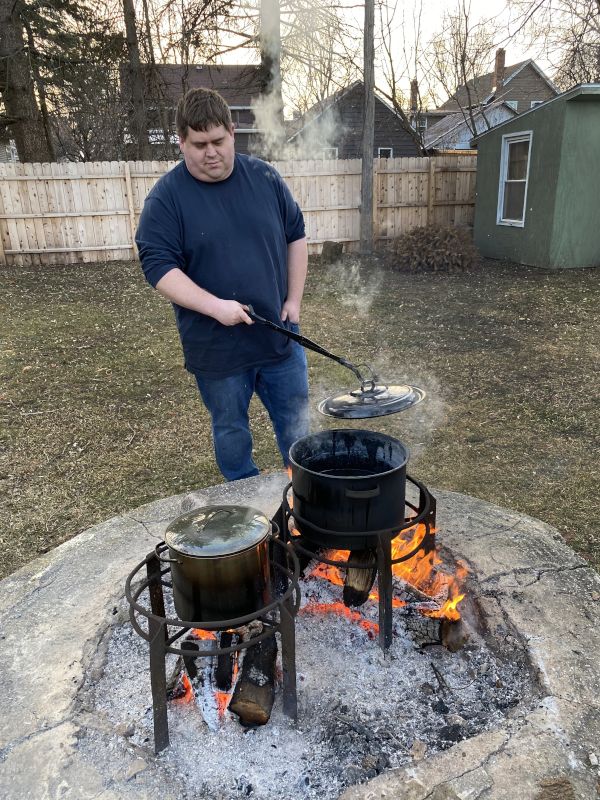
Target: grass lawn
98,415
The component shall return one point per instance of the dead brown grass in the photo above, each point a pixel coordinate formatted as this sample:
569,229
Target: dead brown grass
98,415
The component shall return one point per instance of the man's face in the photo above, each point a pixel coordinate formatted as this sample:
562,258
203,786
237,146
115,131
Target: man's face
209,155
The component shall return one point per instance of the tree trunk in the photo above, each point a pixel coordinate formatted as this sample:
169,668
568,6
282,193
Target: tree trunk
22,113
366,193
137,110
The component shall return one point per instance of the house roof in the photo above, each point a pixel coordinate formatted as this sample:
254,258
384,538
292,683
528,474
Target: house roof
481,88
456,119
588,91
238,83
317,111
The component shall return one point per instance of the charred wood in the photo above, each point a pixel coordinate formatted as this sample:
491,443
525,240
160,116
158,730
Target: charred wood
359,581
423,630
190,661
254,691
455,634
225,662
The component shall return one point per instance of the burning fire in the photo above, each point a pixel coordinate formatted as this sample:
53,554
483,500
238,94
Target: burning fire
184,692
421,572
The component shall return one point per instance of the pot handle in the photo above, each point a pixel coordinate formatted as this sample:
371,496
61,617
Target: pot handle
274,534
362,494
165,560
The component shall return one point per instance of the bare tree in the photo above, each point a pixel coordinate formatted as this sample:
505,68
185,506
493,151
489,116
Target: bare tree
22,114
460,54
399,65
567,32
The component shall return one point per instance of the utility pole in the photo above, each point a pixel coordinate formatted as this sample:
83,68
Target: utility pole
366,193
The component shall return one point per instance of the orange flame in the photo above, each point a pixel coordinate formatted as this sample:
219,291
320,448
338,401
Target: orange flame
188,691
420,571
222,698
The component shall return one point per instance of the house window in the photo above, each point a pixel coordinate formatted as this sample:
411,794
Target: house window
535,103
329,153
514,172
512,103
385,152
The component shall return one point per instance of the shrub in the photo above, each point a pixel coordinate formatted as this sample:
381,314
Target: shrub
433,248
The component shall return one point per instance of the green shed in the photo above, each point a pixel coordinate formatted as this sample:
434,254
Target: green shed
538,184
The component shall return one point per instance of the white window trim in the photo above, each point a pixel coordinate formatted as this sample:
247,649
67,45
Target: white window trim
535,103
510,138
514,104
379,149
326,150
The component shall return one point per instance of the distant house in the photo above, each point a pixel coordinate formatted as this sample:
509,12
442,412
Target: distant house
537,184
334,128
238,84
522,86
455,131
519,87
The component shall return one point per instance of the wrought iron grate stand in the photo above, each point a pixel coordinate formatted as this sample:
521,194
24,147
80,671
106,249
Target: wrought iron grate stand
424,512
163,632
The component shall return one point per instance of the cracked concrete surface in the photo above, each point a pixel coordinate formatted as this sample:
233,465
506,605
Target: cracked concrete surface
55,611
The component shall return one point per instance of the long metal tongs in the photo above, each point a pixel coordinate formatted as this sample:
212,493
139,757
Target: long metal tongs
366,384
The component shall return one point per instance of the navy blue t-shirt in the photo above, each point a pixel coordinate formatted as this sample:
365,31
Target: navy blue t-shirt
231,238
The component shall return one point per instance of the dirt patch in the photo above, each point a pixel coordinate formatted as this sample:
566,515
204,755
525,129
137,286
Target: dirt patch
98,414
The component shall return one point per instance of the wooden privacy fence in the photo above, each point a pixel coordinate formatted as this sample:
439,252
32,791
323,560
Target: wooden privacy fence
61,213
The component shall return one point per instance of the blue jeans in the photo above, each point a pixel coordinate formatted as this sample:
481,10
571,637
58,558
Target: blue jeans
282,389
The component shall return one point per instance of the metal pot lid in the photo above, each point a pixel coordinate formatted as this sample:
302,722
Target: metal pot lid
217,531
375,401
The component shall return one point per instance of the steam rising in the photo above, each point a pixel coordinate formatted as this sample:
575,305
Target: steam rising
353,288
311,142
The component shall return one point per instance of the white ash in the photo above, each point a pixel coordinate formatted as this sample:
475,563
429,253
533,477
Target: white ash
360,712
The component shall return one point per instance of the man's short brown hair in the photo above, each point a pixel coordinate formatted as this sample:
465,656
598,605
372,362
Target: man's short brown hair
201,109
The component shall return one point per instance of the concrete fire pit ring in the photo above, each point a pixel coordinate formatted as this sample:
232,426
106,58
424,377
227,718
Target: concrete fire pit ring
55,614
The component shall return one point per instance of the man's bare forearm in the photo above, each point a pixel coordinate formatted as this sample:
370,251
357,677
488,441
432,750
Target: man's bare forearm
297,255
178,288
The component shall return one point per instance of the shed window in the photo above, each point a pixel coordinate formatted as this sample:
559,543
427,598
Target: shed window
329,152
385,152
535,103
514,171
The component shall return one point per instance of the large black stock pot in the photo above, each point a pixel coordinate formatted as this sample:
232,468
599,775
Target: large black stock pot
346,483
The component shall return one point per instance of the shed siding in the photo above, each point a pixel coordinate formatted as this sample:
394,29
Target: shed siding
576,233
530,244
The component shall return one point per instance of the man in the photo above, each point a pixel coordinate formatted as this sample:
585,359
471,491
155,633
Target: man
219,232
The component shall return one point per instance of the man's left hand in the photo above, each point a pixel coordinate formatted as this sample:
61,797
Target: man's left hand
290,312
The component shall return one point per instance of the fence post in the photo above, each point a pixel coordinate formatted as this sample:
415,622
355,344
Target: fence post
376,225
430,190
131,210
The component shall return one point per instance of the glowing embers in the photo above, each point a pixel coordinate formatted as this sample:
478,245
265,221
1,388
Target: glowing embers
422,586
209,682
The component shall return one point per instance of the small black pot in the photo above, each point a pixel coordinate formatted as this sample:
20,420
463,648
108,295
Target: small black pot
347,483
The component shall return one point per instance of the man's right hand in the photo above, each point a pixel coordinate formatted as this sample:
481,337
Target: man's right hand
230,312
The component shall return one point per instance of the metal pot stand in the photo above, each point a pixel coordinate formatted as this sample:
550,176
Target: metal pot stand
277,617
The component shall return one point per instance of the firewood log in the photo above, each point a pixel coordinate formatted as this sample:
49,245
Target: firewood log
358,582
225,662
254,691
